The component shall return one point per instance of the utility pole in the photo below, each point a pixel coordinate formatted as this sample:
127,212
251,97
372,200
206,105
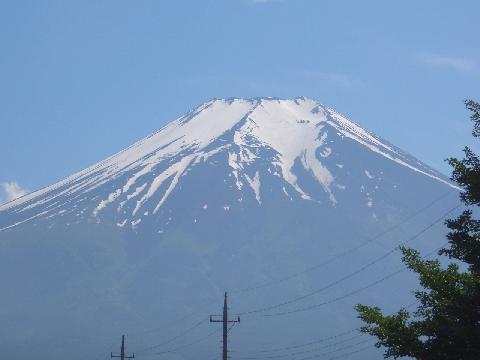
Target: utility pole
123,355
225,322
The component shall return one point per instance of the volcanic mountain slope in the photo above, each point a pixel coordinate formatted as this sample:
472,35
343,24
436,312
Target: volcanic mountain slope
250,139
237,194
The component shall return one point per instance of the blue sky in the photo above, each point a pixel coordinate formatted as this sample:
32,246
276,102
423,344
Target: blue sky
80,80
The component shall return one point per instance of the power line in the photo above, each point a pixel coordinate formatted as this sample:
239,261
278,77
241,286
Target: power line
204,320
230,328
351,353
352,274
350,293
260,354
346,252
337,350
293,275
300,345
303,351
339,297
289,347
173,338
142,332
307,295
315,267
317,341
189,344
319,354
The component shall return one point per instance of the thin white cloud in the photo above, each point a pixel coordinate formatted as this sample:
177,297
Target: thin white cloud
11,191
263,1
462,64
336,79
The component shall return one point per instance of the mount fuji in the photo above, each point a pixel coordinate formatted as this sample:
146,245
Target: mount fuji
284,203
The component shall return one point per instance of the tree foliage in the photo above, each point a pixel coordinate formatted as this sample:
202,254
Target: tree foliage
446,324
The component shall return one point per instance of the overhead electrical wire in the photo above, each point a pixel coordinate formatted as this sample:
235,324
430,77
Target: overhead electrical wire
318,290
176,336
346,252
173,338
350,353
315,351
190,344
351,274
334,300
186,345
275,356
300,345
337,350
260,354
288,347
317,341
230,328
156,329
356,291
315,292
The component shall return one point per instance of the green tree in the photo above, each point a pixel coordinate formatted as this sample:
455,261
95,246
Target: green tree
446,324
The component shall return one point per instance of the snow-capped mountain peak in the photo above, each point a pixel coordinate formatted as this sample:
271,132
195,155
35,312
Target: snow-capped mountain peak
254,138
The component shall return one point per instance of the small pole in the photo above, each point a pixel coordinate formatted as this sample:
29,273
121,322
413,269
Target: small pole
123,355
225,322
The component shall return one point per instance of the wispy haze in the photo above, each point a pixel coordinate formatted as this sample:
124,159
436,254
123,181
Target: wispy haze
463,64
11,191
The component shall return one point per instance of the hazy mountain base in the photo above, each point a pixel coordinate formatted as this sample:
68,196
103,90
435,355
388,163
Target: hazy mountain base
76,288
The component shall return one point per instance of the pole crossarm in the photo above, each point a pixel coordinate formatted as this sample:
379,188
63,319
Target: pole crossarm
123,355
212,320
126,356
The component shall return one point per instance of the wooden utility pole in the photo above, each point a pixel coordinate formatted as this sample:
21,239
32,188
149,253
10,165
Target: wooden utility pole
225,322
123,355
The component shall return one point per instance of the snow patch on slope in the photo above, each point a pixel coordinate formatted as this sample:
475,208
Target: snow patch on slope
255,185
